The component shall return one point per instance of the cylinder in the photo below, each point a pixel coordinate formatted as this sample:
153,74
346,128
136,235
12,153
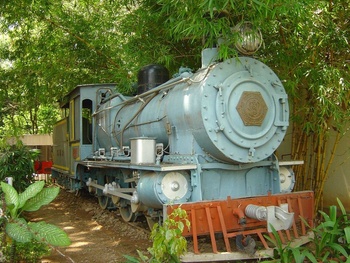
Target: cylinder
150,77
157,188
143,150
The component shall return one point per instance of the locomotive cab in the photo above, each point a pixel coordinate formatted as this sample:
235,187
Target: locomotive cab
73,134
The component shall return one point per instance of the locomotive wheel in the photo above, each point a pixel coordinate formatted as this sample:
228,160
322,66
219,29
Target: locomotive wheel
127,214
104,201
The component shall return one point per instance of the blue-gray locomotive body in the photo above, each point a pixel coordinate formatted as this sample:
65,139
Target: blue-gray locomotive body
197,137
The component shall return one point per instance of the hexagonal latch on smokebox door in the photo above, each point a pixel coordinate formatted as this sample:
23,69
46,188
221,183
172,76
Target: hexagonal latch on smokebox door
252,108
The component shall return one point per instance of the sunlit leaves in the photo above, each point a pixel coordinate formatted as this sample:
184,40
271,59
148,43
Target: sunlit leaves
168,242
310,54
11,198
18,230
44,197
31,191
31,199
49,233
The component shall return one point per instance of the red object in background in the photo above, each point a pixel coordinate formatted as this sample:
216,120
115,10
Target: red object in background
42,167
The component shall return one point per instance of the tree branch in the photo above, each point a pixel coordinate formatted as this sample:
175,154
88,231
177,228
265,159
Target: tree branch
83,41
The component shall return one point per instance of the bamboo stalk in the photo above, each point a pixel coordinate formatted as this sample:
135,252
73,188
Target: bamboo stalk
330,161
319,171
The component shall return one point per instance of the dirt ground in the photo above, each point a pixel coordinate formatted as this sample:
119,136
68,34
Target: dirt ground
97,235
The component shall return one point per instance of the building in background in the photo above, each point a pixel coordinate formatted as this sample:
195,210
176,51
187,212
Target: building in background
43,144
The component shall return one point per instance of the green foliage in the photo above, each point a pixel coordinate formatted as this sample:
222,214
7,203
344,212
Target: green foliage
32,199
286,253
168,242
209,20
30,252
331,241
306,43
330,236
17,161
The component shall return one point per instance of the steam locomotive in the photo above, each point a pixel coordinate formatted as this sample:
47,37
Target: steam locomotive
203,140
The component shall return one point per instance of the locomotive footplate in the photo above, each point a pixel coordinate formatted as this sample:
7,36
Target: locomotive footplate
150,167
228,219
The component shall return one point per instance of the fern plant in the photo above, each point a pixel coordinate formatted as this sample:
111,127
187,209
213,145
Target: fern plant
32,199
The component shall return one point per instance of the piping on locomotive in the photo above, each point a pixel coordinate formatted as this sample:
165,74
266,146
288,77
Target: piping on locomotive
205,140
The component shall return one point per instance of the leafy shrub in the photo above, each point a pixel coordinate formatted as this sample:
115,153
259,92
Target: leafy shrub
331,241
168,242
23,236
30,252
17,161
